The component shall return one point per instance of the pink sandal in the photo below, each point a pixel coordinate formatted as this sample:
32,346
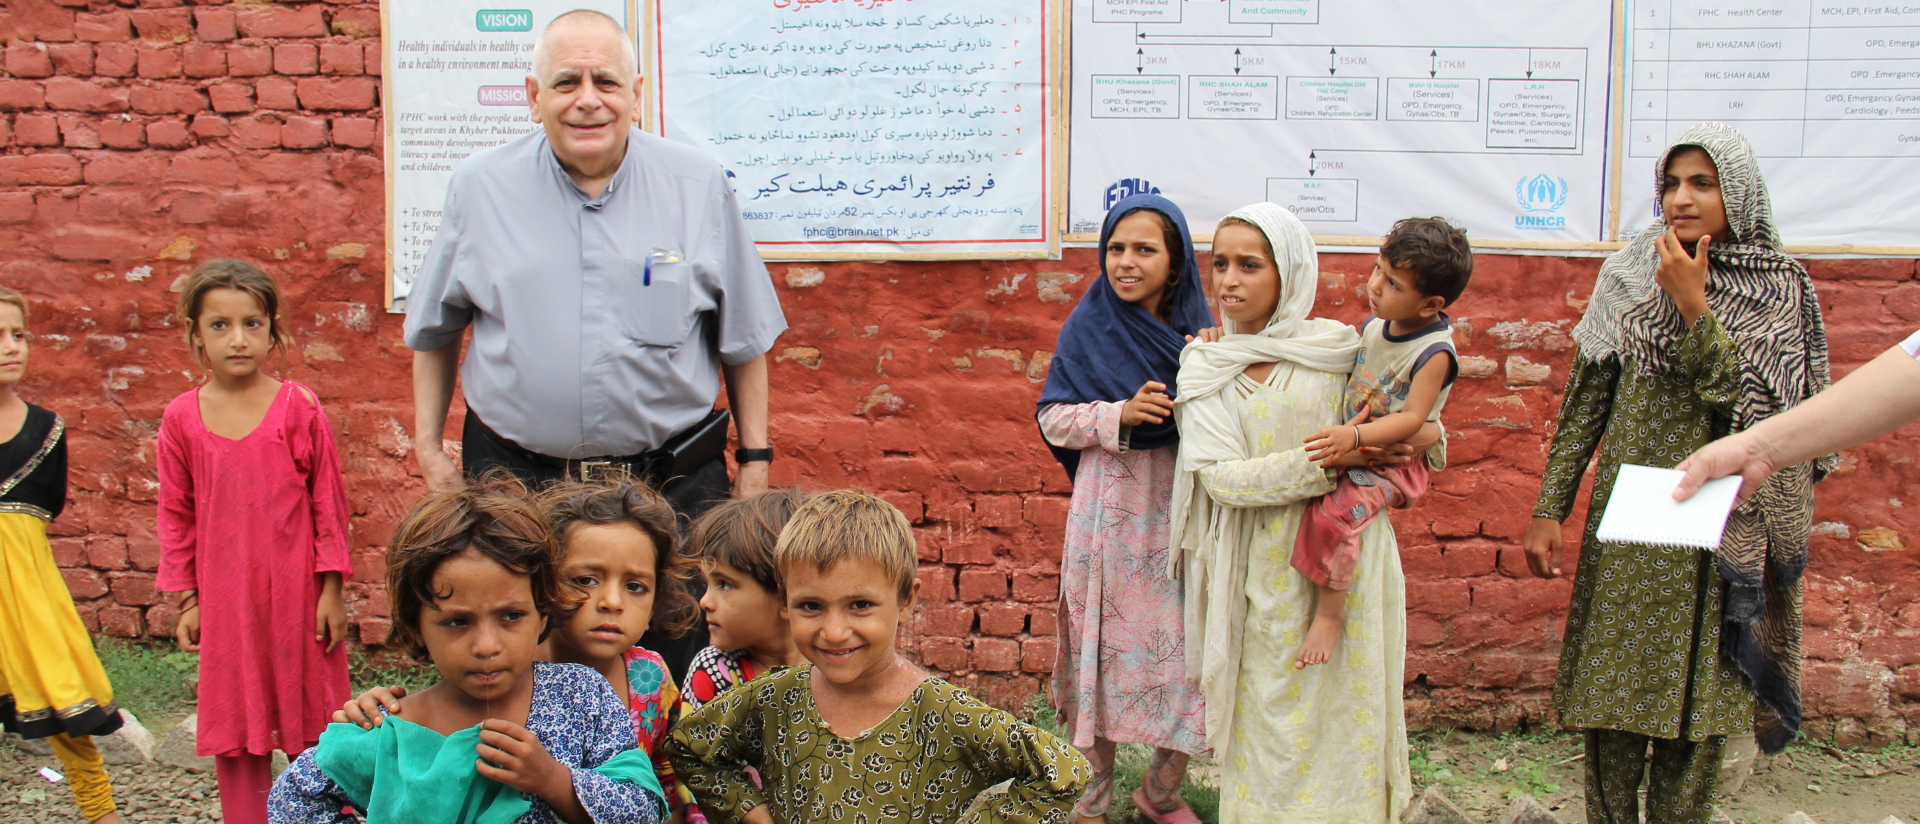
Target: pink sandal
1184,815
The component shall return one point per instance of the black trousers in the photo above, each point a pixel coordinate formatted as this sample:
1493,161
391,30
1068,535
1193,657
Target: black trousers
691,495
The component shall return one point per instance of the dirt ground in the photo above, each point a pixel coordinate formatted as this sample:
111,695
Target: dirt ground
1484,772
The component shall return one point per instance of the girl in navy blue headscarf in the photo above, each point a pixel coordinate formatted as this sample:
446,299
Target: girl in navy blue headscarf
1107,414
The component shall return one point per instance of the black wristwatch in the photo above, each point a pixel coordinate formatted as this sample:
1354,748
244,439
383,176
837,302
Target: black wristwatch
747,456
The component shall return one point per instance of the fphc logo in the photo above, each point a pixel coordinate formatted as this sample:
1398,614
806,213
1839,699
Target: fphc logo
1127,188
1541,194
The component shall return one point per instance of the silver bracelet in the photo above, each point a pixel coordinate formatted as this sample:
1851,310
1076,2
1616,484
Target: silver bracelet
1356,436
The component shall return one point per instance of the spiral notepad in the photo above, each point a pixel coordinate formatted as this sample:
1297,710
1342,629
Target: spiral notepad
1642,510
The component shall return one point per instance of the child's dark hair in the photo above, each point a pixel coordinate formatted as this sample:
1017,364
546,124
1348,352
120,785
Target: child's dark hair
742,533
1176,255
1437,252
625,500
495,518
227,273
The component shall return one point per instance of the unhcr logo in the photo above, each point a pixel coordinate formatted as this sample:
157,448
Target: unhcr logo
1539,197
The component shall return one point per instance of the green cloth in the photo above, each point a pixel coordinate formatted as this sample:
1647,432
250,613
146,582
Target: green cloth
1642,650
404,772
927,762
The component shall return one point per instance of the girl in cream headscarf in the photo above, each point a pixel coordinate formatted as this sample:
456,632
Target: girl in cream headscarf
1321,744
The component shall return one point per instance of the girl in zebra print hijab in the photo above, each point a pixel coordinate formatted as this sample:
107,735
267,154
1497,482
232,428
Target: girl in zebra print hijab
1766,302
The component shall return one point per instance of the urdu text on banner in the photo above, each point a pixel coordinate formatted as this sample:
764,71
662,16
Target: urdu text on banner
870,128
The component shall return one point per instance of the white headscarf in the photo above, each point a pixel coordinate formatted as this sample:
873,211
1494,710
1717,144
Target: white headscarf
1211,541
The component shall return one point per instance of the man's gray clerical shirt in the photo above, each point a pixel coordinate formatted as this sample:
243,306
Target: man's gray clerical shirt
599,324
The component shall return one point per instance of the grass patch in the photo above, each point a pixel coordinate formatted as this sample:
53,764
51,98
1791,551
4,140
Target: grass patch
150,678
368,670
154,678
1129,764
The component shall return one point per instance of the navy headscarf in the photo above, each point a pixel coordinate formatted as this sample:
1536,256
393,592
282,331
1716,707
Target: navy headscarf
1109,347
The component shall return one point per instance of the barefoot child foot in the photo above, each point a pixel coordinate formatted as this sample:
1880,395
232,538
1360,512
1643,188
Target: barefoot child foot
1329,623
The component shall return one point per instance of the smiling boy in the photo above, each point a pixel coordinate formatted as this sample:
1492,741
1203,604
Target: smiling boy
862,734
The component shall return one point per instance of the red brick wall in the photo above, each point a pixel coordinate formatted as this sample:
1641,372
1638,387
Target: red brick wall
139,141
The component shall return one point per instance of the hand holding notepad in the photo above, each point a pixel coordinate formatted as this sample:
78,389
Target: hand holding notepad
1642,510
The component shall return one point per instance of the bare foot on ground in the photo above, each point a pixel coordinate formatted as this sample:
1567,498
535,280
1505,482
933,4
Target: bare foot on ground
1322,637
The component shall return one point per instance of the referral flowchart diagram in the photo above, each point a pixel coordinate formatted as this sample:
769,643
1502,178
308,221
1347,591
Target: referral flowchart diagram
1334,107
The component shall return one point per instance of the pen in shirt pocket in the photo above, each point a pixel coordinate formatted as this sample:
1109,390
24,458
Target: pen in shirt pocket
646,267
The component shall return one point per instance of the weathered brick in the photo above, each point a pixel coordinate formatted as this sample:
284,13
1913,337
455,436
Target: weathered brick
85,584
209,126
1037,654
214,25
296,58
359,21
982,584
337,93
1043,621
249,61
133,589
29,60
158,62
261,132
168,98
115,59
162,619
67,552
143,545
1048,512
996,654
1035,587
947,655
100,28
36,130
202,60
373,58
304,132
174,25
946,621
21,95
231,98
170,133
363,133
981,476
374,631
281,21
936,583
275,93
122,622
909,503
83,96
342,58
997,511
72,59
39,170
1003,619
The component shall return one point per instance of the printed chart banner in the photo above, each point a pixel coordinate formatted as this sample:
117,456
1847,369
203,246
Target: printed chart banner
1829,94
455,84
1353,115
870,128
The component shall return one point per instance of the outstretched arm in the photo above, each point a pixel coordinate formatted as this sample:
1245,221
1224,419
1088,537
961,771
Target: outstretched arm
1875,399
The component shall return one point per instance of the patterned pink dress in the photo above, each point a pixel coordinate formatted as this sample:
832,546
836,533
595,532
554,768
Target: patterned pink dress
1121,673
251,524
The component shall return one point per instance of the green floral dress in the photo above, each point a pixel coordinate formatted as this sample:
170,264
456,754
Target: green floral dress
1642,651
927,762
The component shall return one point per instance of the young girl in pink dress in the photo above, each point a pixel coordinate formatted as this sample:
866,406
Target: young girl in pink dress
253,532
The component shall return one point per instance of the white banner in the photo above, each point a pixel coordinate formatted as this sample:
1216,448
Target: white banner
455,83
1829,95
863,128
1352,114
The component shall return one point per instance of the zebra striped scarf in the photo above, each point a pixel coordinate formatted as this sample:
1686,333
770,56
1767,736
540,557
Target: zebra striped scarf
1766,302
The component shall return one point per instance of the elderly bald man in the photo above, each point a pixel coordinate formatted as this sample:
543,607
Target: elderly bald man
609,282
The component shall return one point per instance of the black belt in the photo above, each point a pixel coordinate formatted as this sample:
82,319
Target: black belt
684,452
